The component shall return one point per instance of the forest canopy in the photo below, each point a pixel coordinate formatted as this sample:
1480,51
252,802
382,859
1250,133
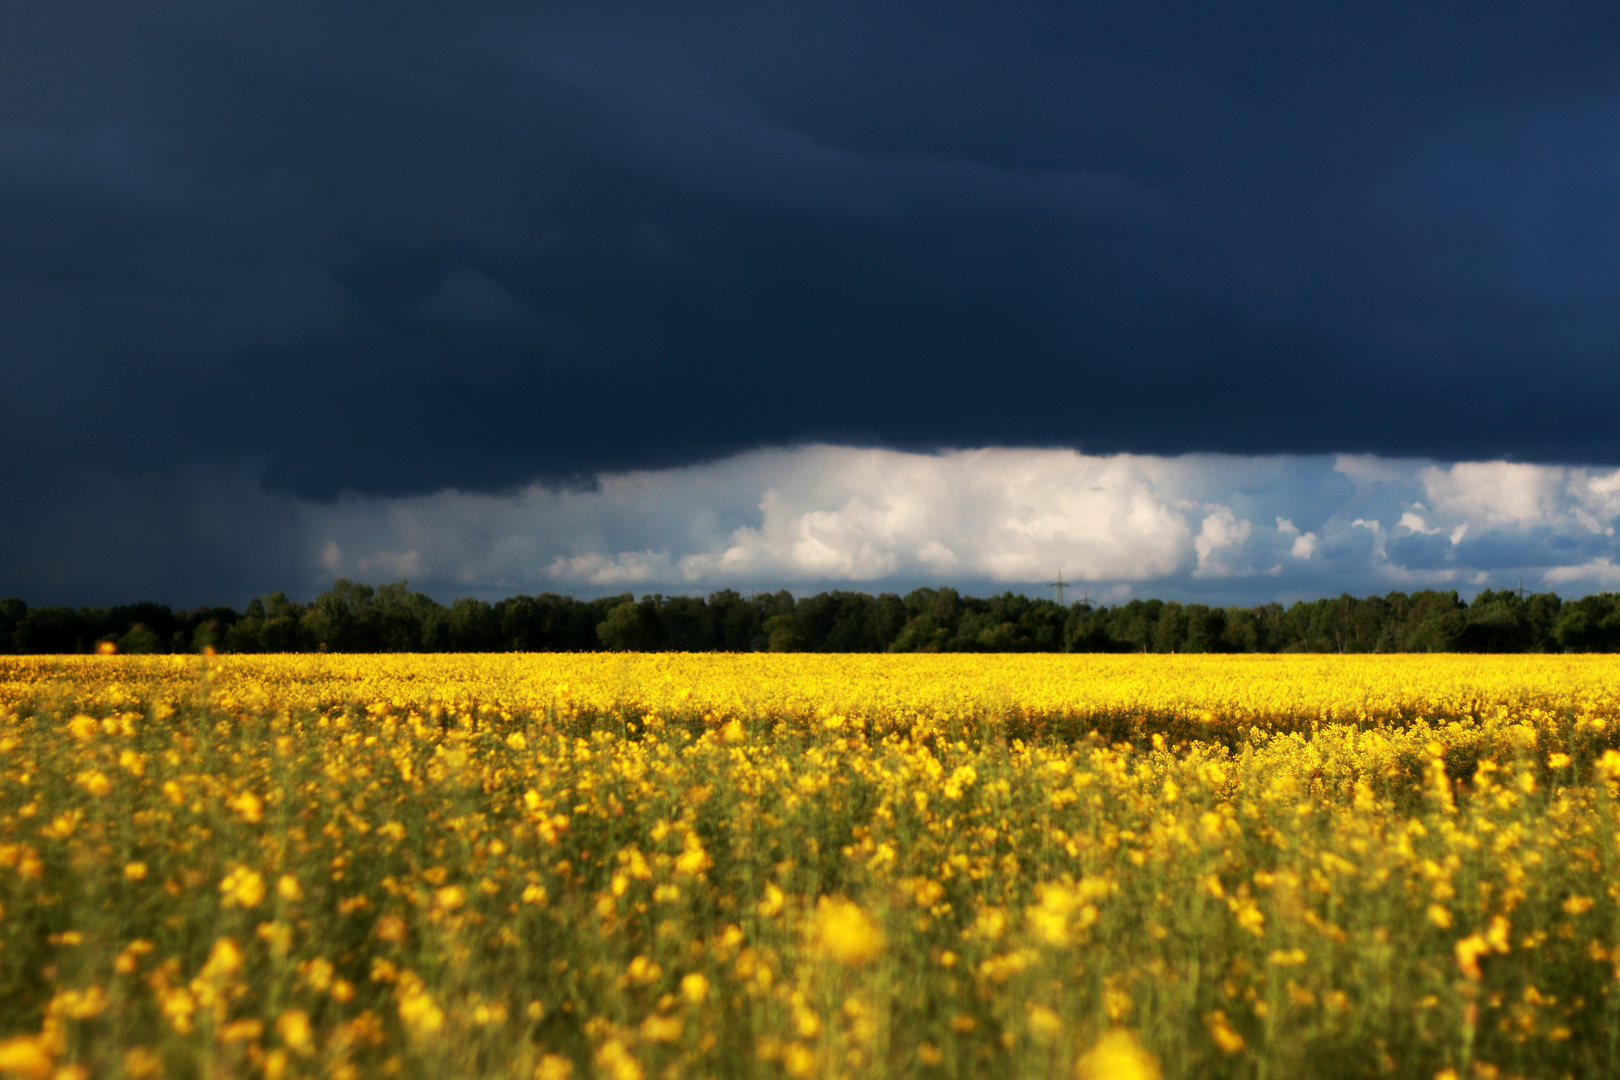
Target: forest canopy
352,617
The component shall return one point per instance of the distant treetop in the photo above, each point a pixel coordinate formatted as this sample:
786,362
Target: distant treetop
351,617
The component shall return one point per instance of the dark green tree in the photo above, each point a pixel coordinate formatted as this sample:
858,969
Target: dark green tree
12,611
472,627
632,627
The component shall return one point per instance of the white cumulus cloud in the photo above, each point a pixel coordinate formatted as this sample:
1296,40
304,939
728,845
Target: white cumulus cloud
835,516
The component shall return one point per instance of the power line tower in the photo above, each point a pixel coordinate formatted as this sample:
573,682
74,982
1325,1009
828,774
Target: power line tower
1059,585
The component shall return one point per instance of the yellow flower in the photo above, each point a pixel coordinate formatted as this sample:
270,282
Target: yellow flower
293,1027
248,806
135,871
1050,918
1468,952
1118,1056
772,904
616,1063
1044,1024
554,1067
287,888
694,988
799,1061
419,1012
141,1064
644,971
24,1057
661,1028
317,973
1229,1041
692,859
223,960
844,933
240,1031
242,888
94,781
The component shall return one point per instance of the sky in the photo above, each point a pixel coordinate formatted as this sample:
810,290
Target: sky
1232,302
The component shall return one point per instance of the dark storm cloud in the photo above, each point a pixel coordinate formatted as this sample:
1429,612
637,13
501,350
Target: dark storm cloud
407,247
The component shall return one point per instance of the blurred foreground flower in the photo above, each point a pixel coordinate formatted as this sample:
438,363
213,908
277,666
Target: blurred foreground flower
1118,1056
24,1057
844,933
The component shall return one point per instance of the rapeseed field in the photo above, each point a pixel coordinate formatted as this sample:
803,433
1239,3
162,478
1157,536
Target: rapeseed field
637,867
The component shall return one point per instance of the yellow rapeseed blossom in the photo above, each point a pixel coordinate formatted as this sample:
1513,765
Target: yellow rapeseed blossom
248,806
223,959
694,988
1220,1030
554,1067
94,781
1118,1056
658,1029
242,888
1044,1024
24,1057
773,900
806,865
844,933
140,1063
692,859
616,1062
417,1009
294,1028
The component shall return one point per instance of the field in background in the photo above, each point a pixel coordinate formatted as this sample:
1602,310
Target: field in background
693,865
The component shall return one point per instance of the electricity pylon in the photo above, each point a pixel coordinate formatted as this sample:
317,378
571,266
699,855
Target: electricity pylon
1059,585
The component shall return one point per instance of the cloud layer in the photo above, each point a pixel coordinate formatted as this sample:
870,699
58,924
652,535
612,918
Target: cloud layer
262,254
1237,529
401,248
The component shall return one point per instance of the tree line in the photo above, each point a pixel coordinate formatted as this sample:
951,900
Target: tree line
352,617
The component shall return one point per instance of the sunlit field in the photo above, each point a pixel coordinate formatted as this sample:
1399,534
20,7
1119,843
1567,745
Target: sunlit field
636,867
